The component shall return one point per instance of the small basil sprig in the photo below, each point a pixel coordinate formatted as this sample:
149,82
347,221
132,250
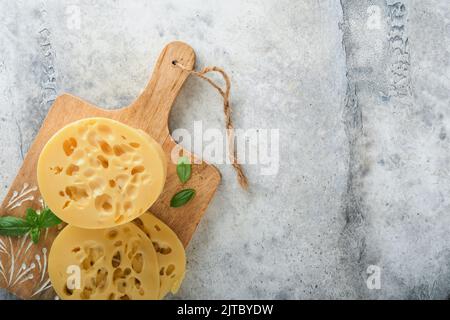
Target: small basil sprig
184,170
182,197
32,224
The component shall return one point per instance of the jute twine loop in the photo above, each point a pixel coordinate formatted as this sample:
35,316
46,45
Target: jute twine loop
227,111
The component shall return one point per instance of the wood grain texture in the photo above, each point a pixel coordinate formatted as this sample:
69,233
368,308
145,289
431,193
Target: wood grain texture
150,112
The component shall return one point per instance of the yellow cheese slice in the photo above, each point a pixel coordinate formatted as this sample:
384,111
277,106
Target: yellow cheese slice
99,173
119,263
169,250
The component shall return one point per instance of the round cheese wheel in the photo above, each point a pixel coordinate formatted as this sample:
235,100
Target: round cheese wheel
99,173
118,263
169,251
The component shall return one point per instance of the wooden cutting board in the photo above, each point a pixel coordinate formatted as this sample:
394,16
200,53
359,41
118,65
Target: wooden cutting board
23,266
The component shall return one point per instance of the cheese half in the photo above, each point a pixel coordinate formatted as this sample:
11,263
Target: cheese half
99,173
119,263
169,251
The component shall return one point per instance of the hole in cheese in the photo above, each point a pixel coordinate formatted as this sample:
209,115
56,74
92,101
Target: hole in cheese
121,180
86,293
137,283
103,203
127,207
103,161
67,291
101,278
66,204
92,138
137,169
162,248
165,250
107,206
78,157
135,179
112,183
132,248
118,219
112,234
137,263
121,286
170,269
71,169
118,274
116,260
118,150
69,146
76,193
57,169
106,148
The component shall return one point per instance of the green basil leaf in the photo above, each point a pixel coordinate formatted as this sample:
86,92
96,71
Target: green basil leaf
32,224
48,219
13,226
182,197
32,217
183,169
35,234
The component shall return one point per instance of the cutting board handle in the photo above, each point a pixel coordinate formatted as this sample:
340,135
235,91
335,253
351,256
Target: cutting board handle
153,106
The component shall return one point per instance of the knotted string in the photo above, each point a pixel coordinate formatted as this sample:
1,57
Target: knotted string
226,109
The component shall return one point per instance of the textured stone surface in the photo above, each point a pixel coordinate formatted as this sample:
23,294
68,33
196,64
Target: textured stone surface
358,89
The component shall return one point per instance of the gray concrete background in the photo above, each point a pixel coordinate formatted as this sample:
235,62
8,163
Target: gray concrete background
359,90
